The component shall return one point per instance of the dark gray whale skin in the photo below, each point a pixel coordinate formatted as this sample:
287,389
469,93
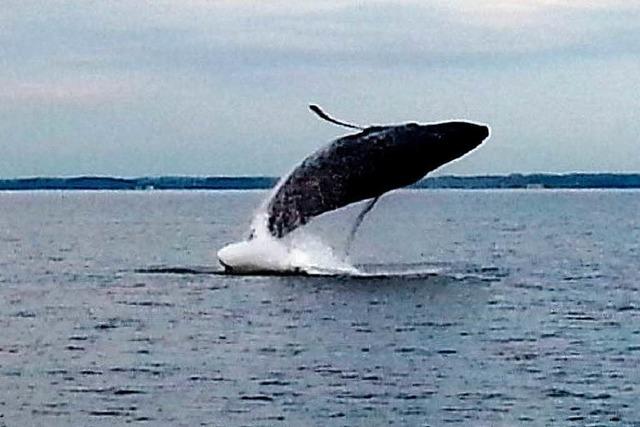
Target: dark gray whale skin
366,165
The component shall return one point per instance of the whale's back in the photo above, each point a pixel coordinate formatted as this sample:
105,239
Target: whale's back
365,165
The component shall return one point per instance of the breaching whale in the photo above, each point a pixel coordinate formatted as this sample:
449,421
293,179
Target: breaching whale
352,168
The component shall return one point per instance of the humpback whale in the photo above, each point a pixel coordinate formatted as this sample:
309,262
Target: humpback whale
355,167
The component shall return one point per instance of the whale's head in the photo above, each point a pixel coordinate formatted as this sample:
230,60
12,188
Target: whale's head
413,149
444,141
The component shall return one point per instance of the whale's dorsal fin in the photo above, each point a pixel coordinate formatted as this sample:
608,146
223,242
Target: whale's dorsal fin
328,118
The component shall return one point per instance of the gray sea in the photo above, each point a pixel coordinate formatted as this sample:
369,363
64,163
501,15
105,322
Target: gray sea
494,308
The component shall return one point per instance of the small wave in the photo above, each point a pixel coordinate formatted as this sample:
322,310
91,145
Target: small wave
180,270
371,271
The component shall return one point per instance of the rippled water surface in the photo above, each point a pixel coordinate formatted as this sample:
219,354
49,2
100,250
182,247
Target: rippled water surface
504,308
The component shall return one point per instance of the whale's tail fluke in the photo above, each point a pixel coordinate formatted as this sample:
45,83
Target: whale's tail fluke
325,116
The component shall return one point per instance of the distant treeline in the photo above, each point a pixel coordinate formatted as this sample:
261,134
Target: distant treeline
575,180
146,183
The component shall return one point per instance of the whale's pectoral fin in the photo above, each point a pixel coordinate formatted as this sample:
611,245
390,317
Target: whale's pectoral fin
356,225
328,118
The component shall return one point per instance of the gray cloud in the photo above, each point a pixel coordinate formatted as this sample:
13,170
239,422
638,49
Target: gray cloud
201,87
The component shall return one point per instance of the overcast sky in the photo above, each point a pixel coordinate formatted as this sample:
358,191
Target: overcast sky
211,87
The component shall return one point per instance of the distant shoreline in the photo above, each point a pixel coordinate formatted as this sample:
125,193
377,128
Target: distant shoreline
513,181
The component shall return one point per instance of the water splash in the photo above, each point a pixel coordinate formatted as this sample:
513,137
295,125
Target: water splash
298,252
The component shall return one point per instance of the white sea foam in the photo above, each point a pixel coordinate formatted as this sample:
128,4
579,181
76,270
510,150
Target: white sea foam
311,255
300,251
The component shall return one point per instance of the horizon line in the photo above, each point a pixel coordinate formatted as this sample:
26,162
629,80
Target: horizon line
226,176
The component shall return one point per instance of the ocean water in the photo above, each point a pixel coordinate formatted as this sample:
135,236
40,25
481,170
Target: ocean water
492,308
